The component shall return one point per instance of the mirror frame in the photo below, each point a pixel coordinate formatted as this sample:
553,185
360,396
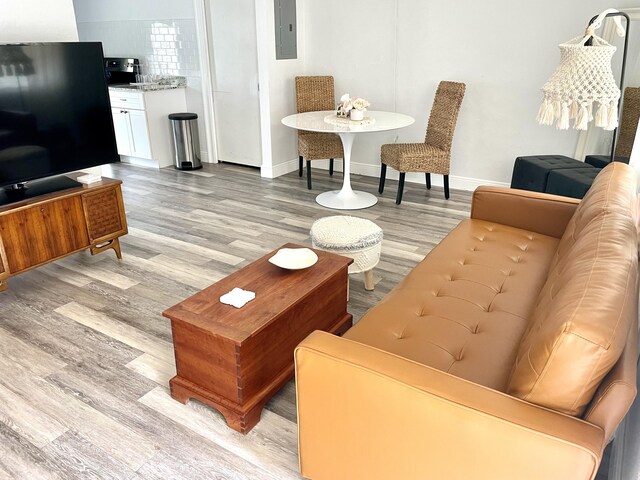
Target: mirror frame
591,138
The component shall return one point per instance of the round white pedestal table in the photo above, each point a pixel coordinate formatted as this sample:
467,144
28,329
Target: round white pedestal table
347,198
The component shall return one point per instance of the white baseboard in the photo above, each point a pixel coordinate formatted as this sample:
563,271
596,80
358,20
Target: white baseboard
280,169
366,169
204,157
139,162
455,181
144,162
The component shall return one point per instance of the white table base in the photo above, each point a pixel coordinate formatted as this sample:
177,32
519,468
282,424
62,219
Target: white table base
346,200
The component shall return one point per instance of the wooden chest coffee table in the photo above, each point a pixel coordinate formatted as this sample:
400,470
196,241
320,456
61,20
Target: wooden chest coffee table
235,360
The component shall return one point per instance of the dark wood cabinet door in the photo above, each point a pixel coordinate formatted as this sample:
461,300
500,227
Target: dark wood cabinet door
64,221
37,235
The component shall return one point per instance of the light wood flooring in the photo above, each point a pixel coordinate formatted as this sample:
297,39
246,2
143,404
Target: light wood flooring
85,355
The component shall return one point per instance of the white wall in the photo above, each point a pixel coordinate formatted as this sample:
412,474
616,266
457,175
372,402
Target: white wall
114,10
395,52
37,21
282,101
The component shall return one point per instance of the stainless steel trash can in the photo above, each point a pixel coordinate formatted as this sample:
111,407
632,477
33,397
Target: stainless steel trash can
186,144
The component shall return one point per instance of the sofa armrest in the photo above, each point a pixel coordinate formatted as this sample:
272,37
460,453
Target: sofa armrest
537,212
366,413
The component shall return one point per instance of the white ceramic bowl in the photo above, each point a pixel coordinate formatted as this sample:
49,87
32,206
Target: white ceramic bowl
294,258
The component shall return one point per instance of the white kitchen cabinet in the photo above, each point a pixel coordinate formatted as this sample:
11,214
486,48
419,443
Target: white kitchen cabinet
140,146
141,124
122,130
132,133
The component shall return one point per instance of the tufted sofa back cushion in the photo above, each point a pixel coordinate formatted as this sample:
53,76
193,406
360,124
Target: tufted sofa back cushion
583,313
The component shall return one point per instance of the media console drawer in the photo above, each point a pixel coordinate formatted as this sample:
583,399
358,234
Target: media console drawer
43,229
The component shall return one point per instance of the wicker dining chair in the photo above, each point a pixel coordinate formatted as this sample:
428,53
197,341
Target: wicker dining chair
315,94
434,155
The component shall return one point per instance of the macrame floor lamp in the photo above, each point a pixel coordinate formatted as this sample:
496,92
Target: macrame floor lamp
584,78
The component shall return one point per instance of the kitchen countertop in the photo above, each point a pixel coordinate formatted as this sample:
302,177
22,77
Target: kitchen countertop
144,88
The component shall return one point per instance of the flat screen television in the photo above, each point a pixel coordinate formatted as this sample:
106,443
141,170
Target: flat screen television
55,115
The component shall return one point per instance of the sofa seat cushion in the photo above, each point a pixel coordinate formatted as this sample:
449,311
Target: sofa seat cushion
464,308
582,318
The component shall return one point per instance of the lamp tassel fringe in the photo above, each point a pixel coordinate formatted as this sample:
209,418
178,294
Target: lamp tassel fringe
581,112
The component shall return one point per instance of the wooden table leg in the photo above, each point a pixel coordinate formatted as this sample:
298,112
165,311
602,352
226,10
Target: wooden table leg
368,280
113,244
240,420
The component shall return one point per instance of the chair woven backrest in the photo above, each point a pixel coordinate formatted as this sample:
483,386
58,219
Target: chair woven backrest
628,122
314,94
444,114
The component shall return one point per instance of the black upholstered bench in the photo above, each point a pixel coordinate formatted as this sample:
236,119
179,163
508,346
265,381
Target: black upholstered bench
601,161
532,172
571,182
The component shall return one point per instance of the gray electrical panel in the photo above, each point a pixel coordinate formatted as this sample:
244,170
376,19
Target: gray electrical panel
285,14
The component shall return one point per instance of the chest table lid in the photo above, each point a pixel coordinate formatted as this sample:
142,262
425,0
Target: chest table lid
276,291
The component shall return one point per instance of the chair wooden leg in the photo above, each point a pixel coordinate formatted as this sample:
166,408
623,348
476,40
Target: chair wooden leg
300,166
446,187
331,167
383,174
309,174
368,280
400,188
428,178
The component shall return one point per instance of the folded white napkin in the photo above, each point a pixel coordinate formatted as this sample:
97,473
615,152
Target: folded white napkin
237,297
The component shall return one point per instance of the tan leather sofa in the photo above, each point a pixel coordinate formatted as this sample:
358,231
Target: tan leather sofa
509,352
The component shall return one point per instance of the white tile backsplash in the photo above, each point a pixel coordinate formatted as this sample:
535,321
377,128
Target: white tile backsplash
159,44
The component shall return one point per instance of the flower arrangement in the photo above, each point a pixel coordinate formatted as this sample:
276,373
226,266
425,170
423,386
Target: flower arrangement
352,107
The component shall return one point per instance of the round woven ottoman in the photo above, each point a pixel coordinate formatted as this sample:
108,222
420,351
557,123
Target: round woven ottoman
351,237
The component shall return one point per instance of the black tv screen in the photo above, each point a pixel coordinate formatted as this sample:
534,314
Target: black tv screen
55,115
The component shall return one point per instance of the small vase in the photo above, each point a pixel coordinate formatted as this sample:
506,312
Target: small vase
356,114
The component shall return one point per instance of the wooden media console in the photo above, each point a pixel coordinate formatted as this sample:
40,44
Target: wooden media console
42,229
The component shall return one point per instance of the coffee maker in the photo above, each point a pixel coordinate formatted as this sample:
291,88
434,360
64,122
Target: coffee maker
121,70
